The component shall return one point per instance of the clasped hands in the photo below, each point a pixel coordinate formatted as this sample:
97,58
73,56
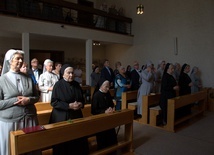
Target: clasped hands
22,100
109,110
75,105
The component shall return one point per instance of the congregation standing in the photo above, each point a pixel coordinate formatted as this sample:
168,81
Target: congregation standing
149,80
62,88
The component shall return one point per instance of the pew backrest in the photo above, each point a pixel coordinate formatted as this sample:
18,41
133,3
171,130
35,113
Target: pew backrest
127,97
40,106
148,101
67,130
181,101
43,112
86,111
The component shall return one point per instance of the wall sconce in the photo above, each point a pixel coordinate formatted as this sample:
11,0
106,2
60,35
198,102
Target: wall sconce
140,9
96,43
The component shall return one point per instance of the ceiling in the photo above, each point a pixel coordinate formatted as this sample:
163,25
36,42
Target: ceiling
38,37
8,34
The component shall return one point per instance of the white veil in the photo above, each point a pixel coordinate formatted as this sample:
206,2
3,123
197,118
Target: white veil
7,59
46,63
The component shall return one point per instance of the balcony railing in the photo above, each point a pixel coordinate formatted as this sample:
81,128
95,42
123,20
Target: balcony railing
67,13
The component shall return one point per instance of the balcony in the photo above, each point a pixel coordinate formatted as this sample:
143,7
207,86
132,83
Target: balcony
67,13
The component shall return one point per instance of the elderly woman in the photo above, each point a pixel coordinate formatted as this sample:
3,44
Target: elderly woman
67,100
122,84
17,98
46,81
102,103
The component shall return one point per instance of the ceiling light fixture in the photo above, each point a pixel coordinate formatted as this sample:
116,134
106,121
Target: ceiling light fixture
96,43
140,9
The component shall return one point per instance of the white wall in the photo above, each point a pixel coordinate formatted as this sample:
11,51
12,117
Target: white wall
191,21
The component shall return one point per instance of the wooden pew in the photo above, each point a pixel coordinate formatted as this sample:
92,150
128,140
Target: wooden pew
155,111
23,143
127,97
181,101
44,111
41,106
44,108
92,91
148,101
86,111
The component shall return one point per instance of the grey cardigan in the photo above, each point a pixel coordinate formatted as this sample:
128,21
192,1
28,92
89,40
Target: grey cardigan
8,96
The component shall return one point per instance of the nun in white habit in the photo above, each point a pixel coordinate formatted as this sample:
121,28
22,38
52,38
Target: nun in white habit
47,81
17,98
147,85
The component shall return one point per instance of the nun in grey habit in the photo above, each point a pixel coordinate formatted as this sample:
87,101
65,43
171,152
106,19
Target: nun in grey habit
147,85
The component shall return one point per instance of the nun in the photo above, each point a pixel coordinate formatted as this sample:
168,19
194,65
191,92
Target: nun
168,89
185,81
147,85
67,100
185,84
46,81
17,98
102,103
